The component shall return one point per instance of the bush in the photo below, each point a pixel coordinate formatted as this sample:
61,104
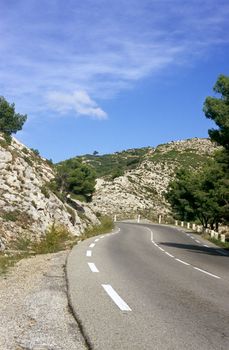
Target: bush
45,191
35,151
106,226
11,215
54,240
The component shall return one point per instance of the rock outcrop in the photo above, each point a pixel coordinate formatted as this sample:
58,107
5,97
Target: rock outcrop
27,206
142,189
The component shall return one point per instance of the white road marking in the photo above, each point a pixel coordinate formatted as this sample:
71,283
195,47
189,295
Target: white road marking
93,267
92,245
102,237
172,256
88,253
96,240
161,249
181,261
207,273
116,298
152,239
184,262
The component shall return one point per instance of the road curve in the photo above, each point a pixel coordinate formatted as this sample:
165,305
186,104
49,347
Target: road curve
150,287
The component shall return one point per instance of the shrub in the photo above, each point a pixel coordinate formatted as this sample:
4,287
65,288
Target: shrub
45,191
106,226
11,215
54,240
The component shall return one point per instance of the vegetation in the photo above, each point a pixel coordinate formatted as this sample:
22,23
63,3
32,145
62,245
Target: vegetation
204,195
224,245
217,109
188,158
10,121
7,261
75,178
57,238
106,226
114,165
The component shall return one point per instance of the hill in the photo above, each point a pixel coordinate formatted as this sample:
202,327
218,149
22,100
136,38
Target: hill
134,181
27,205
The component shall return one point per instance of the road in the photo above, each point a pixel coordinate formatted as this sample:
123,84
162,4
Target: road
150,287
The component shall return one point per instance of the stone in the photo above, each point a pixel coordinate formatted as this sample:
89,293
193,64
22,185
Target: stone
21,179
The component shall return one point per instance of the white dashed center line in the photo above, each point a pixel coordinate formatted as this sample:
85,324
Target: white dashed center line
93,267
92,245
116,298
88,253
96,240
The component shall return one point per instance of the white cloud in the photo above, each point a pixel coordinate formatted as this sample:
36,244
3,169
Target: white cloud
79,102
98,48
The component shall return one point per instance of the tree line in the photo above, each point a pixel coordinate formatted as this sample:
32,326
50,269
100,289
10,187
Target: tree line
203,195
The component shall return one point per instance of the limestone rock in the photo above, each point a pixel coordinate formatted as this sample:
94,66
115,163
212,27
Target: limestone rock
142,189
25,207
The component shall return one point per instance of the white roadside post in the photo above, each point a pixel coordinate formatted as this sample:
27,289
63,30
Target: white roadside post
216,235
194,227
212,234
182,223
115,218
159,219
176,222
222,238
188,225
139,217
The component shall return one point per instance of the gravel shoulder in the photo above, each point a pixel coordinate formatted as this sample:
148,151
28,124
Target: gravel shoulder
34,307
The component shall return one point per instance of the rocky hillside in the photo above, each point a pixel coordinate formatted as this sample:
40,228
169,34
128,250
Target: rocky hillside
27,206
146,174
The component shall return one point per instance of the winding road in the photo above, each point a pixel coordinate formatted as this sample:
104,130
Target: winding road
150,287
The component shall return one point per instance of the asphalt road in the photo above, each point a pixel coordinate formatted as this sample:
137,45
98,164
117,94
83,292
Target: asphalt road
150,287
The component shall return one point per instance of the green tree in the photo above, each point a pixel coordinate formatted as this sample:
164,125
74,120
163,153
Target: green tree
205,195
199,195
10,121
217,109
73,176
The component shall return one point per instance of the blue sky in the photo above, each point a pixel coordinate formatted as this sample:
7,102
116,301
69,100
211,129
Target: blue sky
109,75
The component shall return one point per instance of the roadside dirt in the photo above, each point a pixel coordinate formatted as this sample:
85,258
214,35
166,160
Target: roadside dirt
34,312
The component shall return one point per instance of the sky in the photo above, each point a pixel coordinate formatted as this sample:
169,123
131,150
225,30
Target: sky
111,75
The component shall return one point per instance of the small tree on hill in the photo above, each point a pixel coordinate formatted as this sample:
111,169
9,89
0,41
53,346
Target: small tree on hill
10,121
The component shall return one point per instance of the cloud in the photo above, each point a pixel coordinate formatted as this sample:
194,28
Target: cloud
79,102
94,50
